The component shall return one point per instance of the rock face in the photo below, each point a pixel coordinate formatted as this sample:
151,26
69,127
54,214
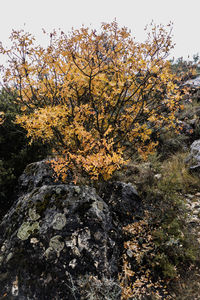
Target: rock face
57,239
194,157
194,85
36,175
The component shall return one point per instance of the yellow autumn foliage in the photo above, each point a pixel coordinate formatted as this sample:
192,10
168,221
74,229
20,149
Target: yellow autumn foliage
94,95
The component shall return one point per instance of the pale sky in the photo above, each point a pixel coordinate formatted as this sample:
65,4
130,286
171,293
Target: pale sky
134,14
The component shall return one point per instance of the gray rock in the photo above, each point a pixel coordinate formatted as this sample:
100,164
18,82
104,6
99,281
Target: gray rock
36,175
194,156
123,201
54,236
194,87
194,83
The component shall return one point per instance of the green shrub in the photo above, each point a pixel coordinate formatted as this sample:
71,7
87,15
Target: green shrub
15,151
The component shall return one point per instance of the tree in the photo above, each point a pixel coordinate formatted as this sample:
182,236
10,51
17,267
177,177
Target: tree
94,96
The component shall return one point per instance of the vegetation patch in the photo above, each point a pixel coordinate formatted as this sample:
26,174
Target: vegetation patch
162,246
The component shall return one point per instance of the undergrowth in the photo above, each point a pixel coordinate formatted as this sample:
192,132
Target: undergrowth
161,247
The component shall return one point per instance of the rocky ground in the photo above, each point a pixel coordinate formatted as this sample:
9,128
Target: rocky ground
193,205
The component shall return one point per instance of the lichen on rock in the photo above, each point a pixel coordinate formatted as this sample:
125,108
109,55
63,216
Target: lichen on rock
26,229
59,221
54,245
33,215
53,230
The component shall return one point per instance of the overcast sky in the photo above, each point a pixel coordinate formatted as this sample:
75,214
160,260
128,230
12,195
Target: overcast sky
134,14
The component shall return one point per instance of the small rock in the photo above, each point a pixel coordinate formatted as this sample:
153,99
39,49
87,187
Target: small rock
158,176
190,196
196,212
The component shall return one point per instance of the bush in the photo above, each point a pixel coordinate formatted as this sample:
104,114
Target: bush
96,96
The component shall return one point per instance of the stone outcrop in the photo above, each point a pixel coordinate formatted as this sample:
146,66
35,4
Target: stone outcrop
194,86
59,238
35,175
194,157
194,83
189,117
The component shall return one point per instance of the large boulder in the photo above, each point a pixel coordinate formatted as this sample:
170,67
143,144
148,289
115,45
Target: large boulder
194,157
58,240
36,175
194,86
123,201
193,83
